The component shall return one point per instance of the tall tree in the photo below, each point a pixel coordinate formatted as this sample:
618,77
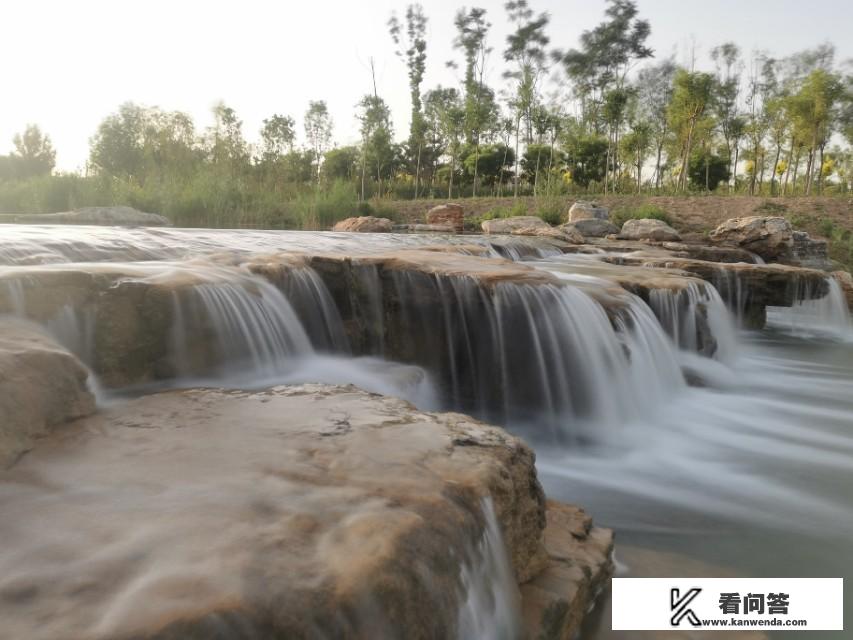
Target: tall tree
278,135
729,66
377,138
692,93
525,51
471,32
34,154
318,131
446,114
654,86
412,47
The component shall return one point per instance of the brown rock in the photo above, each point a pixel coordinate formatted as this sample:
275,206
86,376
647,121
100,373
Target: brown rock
588,210
41,386
592,227
566,234
648,229
508,225
450,214
294,512
365,224
771,237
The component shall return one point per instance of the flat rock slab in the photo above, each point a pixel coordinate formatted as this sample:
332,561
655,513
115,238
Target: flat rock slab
307,511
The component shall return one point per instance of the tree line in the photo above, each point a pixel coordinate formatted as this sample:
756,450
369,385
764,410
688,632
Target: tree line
604,116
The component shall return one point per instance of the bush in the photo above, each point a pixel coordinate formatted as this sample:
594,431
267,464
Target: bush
550,210
642,212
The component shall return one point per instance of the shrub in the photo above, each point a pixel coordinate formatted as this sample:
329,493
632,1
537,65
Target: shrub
550,210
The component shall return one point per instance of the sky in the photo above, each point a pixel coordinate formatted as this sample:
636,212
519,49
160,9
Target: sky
67,64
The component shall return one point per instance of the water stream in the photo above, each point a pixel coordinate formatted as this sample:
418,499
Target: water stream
746,470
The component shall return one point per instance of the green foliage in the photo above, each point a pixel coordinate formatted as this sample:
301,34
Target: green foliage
550,209
642,212
323,208
708,170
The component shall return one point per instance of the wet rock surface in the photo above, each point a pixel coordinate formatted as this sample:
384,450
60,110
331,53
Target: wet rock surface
42,386
591,227
307,511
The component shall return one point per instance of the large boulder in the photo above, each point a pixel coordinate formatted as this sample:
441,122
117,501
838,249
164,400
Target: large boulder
365,224
295,512
648,229
120,216
771,237
587,210
450,215
808,252
591,227
508,225
41,386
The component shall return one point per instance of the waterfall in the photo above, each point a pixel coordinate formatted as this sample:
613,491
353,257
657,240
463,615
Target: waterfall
826,316
545,355
490,609
253,326
682,314
15,293
316,309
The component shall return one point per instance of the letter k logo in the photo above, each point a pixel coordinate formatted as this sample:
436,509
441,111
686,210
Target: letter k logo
679,607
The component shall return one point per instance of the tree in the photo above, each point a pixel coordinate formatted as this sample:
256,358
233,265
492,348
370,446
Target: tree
318,131
654,92
341,163
636,145
376,138
729,66
446,115
606,55
415,56
278,136
690,98
228,148
526,52
480,109
34,154
708,170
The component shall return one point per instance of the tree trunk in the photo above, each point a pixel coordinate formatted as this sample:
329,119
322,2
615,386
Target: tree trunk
476,166
775,166
685,163
658,176
796,170
418,172
820,171
517,127
501,174
734,169
788,161
607,160
450,181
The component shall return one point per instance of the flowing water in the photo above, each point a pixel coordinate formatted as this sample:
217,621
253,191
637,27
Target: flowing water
746,471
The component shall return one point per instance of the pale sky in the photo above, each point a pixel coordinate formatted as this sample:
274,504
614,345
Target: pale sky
67,64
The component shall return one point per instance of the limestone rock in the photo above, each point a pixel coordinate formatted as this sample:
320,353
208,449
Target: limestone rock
846,281
808,252
120,216
308,511
771,237
566,234
365,224
587,210
508,225
41,386
450,215
425,228
648,229
578,554
592,227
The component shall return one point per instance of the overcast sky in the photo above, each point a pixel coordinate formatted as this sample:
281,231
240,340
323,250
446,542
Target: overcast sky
67,64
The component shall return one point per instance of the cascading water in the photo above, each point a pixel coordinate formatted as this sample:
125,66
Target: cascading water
490,608
680,313
542,355
827,316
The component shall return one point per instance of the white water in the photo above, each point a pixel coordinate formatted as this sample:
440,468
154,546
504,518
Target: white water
490,609
824,317
757,463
